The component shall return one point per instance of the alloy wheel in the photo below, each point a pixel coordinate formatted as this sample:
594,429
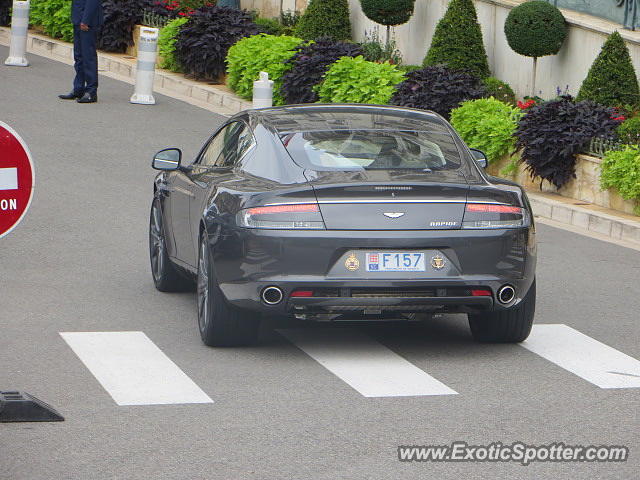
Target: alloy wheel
156,243
203,286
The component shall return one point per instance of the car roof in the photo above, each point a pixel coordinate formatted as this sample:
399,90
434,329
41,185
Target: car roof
315,117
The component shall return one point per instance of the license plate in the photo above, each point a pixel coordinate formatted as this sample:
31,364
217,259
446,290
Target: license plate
395,262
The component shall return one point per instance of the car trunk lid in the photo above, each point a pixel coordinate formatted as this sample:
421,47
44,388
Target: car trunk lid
390,200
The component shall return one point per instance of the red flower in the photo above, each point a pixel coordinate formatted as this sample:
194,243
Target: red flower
529,103
620,118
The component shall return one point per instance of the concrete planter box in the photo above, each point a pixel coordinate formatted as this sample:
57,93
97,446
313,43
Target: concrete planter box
585,187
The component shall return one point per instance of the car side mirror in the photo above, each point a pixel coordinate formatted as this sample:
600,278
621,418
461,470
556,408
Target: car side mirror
167,159
479,157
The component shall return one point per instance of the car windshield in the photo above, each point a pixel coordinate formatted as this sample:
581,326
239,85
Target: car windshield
373,149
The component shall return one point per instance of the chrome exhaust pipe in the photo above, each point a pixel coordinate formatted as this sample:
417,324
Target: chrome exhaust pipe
506,294
272,295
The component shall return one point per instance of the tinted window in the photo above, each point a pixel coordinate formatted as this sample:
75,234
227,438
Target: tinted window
372,149
237,140
215,148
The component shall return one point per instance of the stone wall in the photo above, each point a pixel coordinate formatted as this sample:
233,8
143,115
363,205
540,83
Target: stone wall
585,187
568,68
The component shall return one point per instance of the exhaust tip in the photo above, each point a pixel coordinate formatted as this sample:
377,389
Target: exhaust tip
272,295
506,294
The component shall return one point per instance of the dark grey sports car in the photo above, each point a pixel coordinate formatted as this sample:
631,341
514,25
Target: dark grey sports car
342,212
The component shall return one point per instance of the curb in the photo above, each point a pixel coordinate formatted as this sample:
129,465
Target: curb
216,98
586,216
603,222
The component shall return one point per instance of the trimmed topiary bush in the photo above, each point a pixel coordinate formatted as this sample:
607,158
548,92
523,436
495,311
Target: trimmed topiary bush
621,171
488,125
551,133
260,53
499,90
167,44
355,80
309,64
203,42
325,18
437,88
611,79
535,29
457,41
629,131
388,12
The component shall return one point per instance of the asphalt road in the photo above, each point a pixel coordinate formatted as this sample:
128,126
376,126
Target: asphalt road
79,262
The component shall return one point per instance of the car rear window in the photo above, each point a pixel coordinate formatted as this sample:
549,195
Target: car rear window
372,149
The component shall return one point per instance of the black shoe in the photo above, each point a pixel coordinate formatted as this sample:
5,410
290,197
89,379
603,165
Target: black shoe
88,98
70,96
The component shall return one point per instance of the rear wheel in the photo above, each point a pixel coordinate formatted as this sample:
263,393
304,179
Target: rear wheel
165,275
512,325
221,324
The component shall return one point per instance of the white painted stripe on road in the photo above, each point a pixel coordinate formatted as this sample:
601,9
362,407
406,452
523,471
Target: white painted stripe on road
8,178
580,354
132,369
366,365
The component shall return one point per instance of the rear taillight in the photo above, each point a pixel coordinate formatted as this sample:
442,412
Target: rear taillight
487,215
304,216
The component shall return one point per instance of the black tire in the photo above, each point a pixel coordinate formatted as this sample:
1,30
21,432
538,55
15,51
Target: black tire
220,324
165,275
512,325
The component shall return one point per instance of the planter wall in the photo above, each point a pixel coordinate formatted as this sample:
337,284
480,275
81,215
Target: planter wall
585,187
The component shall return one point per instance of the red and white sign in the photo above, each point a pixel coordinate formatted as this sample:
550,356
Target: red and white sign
16,179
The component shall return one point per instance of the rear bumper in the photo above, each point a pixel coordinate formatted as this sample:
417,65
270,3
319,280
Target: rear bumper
248,296
247,261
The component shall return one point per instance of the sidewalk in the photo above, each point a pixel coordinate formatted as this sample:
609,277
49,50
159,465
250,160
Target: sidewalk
580,216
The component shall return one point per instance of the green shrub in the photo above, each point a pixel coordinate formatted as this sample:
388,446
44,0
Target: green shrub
375,50
356,80
325,18
535,29
54,16
260,53
621,171
388,12
270,26
488,125
611,79
629,131
167,44
499,90
457,41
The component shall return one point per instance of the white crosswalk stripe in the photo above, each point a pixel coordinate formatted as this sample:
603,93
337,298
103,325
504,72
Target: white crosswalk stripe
364,364
132,369
580,354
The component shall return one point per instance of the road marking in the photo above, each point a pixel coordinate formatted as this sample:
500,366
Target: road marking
8,178
366,365
580,354
132,369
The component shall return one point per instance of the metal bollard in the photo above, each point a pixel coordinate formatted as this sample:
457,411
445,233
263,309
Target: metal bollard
263,91
147,53
19,27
